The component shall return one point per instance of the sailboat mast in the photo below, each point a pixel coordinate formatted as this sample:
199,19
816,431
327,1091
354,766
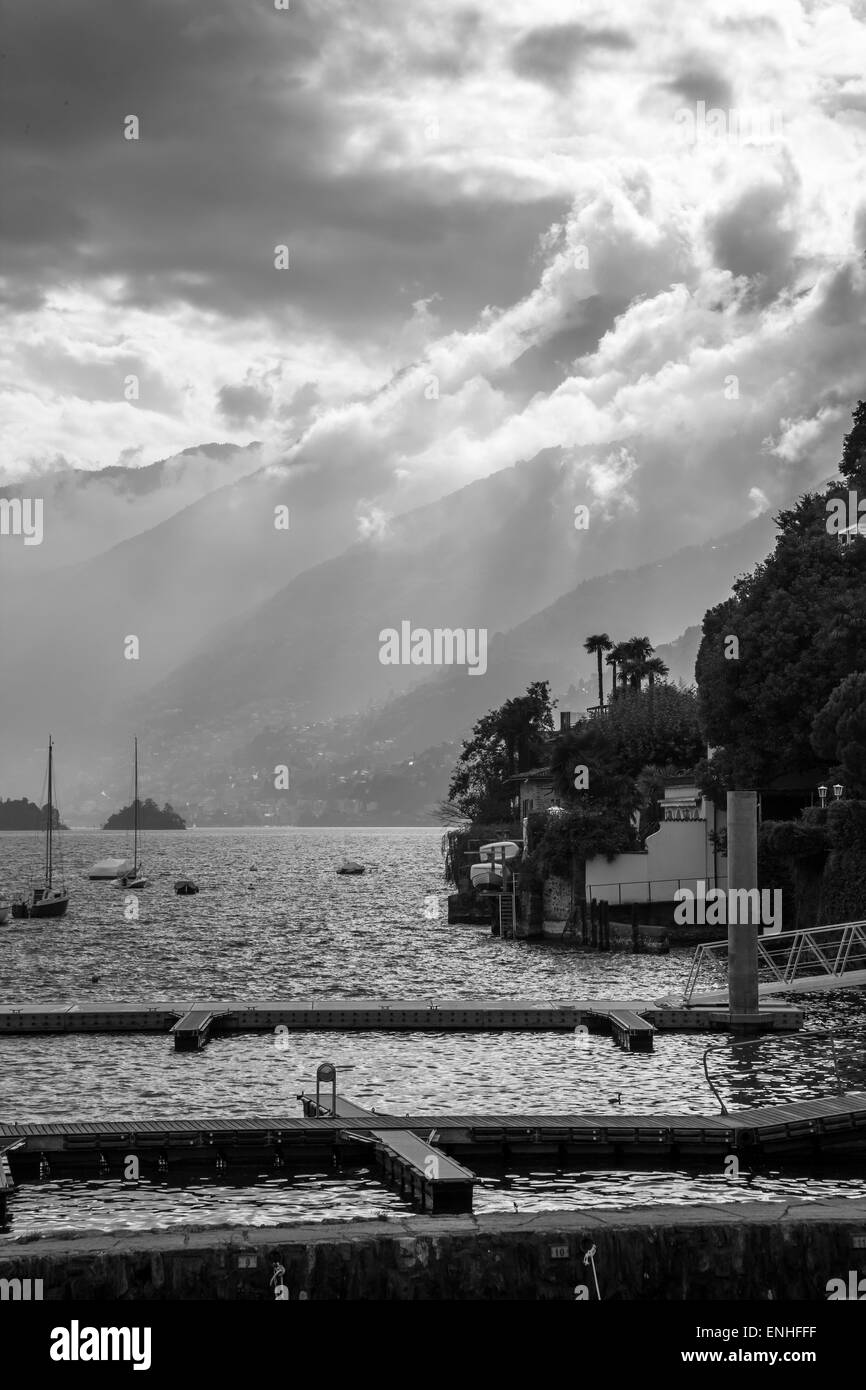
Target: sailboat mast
135,813
48,846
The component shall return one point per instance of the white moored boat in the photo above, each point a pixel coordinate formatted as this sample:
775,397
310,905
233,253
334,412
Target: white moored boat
499,849
109,868
488,873
484,876
132,877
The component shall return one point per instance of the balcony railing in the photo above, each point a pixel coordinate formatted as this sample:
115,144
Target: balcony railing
665,888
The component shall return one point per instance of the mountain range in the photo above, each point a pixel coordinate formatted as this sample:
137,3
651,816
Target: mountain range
245,628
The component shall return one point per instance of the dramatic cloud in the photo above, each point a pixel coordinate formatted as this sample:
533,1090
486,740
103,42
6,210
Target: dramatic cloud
507,229
551,53
241,405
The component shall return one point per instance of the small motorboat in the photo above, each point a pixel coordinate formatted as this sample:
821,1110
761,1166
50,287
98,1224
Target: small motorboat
500,850
184,887
349,866
484,876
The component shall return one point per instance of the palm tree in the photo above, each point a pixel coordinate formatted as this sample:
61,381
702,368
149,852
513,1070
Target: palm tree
652,667
617,658
638,651
597,644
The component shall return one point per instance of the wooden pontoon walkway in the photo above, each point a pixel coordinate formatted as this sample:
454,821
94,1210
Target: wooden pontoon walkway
413,1165
805,1130
195,1021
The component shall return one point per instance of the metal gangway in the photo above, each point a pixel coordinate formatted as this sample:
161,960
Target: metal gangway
830,957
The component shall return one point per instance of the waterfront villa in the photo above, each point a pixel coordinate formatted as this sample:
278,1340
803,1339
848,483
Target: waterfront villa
683,850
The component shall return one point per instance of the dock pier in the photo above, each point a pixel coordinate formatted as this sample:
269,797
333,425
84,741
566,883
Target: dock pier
7,1183
630,1031
420,1172
192,1032
432,1173
194,1023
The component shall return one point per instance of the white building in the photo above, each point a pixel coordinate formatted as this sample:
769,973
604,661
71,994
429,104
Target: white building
677,855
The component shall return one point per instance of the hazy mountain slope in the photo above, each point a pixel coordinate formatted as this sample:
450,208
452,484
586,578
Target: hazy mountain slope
443,707
62,633
488,556
88,511
660,599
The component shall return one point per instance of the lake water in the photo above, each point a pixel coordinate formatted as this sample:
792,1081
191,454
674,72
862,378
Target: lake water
274,921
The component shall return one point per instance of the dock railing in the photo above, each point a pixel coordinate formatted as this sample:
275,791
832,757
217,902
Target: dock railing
830,951
663,895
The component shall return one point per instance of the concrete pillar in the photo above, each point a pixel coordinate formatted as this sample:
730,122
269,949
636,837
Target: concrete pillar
742,938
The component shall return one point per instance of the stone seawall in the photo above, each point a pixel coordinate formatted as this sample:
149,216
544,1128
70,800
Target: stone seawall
757,1250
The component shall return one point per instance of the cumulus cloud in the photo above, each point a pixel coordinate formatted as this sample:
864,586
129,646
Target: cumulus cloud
241,405
550,53
480,269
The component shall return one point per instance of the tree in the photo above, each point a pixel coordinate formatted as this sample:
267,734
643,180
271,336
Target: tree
853,465
24,815
504,741
654,666
150,817
597,645
772,654
616,752
638,651
839,733
611,661
647,730
619,659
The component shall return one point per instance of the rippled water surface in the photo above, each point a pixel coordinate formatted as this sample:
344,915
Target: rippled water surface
274,921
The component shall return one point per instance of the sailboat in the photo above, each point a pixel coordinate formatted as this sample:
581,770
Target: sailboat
132,878
47,901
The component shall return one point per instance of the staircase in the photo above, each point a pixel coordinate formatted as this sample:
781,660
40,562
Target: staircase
506,915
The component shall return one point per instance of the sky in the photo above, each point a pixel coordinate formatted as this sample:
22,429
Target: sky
510,225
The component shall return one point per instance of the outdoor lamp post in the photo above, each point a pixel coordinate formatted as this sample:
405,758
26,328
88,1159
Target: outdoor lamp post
838,790
822,792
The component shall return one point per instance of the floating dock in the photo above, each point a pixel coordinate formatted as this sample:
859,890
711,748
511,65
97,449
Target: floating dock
194,1022
630,1031
7,1184
420,1172
192,1032
804,1132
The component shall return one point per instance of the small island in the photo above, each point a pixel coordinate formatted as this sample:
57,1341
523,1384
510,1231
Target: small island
150,817
26,815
